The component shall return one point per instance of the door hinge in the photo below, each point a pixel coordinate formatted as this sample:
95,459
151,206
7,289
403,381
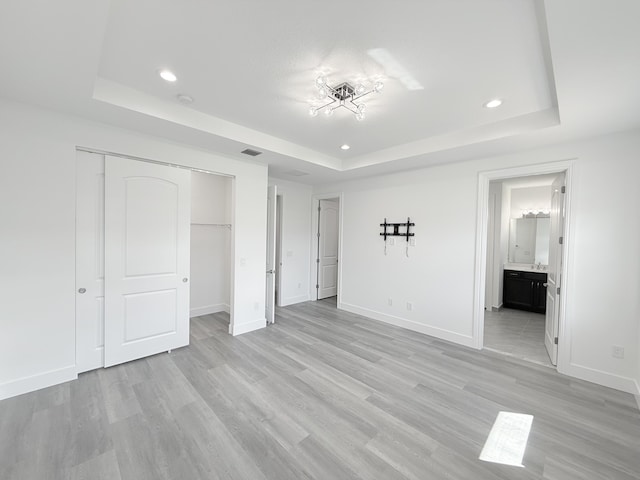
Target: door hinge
560,240
317,286
563,189
318,234
558,290
317,260
555,340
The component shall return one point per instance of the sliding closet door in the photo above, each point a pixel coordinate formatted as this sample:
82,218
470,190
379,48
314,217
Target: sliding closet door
89,261
147,216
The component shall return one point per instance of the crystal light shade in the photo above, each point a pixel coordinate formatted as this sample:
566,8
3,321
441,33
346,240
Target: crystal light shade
342,95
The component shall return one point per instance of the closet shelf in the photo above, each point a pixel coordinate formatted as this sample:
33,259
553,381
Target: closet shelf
228,225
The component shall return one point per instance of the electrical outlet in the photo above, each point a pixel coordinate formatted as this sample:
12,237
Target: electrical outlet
300,285
412,241
409,306
390,302
391,241
617,351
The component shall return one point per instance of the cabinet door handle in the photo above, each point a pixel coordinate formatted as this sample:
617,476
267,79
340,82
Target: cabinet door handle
532,285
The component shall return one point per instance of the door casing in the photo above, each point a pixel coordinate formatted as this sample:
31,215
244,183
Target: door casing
567,166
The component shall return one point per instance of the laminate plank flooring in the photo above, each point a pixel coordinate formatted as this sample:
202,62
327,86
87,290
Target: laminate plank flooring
322,394
517,333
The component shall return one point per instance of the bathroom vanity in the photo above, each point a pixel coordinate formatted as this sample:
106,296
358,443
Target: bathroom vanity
525,290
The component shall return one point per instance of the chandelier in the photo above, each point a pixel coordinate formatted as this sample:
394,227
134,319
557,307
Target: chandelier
343,95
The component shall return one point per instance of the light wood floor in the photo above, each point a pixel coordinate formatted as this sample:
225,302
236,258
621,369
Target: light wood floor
322,394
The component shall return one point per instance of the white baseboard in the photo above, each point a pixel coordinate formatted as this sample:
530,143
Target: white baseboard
36,382
441,333
600,377
293,300
248,327
208,309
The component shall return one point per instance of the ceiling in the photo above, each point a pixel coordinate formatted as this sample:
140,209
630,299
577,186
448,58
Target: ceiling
564,69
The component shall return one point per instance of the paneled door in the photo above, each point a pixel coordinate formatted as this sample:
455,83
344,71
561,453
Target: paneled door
327,249
89,261
147,216
270,301
556,231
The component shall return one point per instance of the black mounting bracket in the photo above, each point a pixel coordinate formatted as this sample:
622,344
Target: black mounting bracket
396,229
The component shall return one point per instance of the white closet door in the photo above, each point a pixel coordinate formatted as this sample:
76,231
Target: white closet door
147,217
89,261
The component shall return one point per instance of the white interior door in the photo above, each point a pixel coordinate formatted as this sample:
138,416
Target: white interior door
89,261
328,249
270,301
556,227
147,216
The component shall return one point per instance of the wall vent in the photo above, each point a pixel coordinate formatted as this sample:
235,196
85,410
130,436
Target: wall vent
253,153
296,173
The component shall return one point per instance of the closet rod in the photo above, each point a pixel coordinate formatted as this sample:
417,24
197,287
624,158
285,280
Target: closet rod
148,160
214,224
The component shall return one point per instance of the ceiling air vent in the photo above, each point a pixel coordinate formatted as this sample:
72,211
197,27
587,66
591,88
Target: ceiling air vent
296,173
253,153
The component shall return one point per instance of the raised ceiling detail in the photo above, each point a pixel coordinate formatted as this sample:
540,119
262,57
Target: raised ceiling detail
549,61
458,56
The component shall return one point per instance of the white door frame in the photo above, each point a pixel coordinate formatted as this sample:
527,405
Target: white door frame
314,242
568,166
279,250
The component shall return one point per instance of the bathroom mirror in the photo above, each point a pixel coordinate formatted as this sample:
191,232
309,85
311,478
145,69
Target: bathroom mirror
529,240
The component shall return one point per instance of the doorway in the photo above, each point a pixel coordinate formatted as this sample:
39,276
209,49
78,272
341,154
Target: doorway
327,219
519,308
134,238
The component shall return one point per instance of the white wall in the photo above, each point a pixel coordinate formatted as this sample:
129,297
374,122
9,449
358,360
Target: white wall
601,293
37,221
529,198
296,240
210,243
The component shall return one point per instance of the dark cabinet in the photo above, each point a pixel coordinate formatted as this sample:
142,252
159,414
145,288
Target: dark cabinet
525,290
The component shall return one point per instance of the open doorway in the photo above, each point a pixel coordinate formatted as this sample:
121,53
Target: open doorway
521,309
326,251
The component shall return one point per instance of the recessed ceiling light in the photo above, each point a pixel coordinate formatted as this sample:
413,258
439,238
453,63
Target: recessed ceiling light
496,102
168,75
345,147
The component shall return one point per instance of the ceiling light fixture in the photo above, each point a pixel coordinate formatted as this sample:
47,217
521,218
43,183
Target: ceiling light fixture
496,102
168,75
343,95
345,147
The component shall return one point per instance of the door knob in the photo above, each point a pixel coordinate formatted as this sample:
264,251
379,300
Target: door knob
82,290
544,284
185,279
